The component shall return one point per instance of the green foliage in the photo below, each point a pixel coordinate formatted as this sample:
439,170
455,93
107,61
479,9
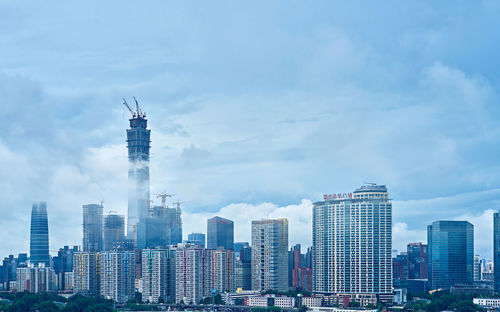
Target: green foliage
354,304
208,300
443,300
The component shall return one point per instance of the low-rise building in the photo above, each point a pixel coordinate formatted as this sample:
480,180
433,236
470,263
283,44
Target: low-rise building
487,302
310,301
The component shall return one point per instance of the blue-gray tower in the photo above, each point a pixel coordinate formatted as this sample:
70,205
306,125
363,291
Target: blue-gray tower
39,235
138,144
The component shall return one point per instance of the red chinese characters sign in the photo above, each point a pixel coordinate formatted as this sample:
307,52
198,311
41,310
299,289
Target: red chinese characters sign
337,196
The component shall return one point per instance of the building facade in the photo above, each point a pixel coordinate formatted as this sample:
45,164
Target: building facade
117,269
158,275
496,251
417,261
39,235
92,227
220,233
222,266
87,273
138,145
270,254
352,242
451,253
36,279
63,264
192,273
197,238
243,268
114,231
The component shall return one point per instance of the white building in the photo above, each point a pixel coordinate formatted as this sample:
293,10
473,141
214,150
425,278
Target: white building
36,279
352,240
270,301
270,254
310,301
223,270
192,273
158,275
487,302
117,270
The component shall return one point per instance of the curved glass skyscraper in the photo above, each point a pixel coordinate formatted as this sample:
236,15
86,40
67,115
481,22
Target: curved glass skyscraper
39,234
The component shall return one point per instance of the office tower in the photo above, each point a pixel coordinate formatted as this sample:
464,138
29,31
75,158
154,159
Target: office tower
477,268
451,253
158,275
87,273
270,254
220,233
299,275
243,269
197,238
39,235
138,145
92,227
417,261
192,273
114,231
36,279
238,246
63,264
117,269
163,227
293,262
222,270
345,224
400,267
496,251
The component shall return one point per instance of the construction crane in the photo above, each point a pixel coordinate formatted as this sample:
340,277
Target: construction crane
178,204
163,197
130,110
139,110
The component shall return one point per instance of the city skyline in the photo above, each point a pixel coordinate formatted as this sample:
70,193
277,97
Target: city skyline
281,113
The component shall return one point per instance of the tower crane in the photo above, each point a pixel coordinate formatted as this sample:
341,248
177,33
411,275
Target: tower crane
163,197
130,110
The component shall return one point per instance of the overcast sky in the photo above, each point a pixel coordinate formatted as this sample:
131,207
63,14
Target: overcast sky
256,109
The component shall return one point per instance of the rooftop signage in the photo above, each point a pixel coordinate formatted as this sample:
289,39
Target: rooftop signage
337,196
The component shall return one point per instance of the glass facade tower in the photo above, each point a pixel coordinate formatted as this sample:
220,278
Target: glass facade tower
220,233
451,253
92,227
496,251
39,235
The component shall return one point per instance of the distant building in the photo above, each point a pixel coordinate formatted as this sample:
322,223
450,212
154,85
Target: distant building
87,273
220,233
36,279
197,238
243,268
239,245
400,266
39,235
8,270
63,264
163,227
117,269
417,261
451,253
299,275
345,224
114,231
158,275
496,251
270,254
222,270
477,268
192,273
92,227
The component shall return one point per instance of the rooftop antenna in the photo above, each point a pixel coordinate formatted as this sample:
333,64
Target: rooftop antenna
130,110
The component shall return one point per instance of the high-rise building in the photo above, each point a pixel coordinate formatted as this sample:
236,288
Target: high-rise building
352,240
477,268
400,267
496,251
63,264
451,253
138,145
270,254
114,231
92,227
240,245
36,279
197,238
39,235
8,270
163,227
117,270
299,276
220,233
87,273
223,270
192,273
243,269
417,261
158,275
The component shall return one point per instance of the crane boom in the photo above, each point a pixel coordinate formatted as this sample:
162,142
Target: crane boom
138,108
130,110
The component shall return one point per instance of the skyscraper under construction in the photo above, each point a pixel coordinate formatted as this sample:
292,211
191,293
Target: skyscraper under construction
138,145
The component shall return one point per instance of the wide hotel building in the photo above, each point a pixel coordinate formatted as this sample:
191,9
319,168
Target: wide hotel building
352,241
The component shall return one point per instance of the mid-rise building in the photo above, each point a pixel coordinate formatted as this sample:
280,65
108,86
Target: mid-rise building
87,273
451,253
39,235
220,233
270,254
197,238
192,273
417,261
63,264
114,231
352,243
117,269
92,227
158,275
36,279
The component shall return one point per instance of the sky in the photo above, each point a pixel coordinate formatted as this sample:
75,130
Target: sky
256,109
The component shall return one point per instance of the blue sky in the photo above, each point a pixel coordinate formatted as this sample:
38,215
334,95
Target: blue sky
256,110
